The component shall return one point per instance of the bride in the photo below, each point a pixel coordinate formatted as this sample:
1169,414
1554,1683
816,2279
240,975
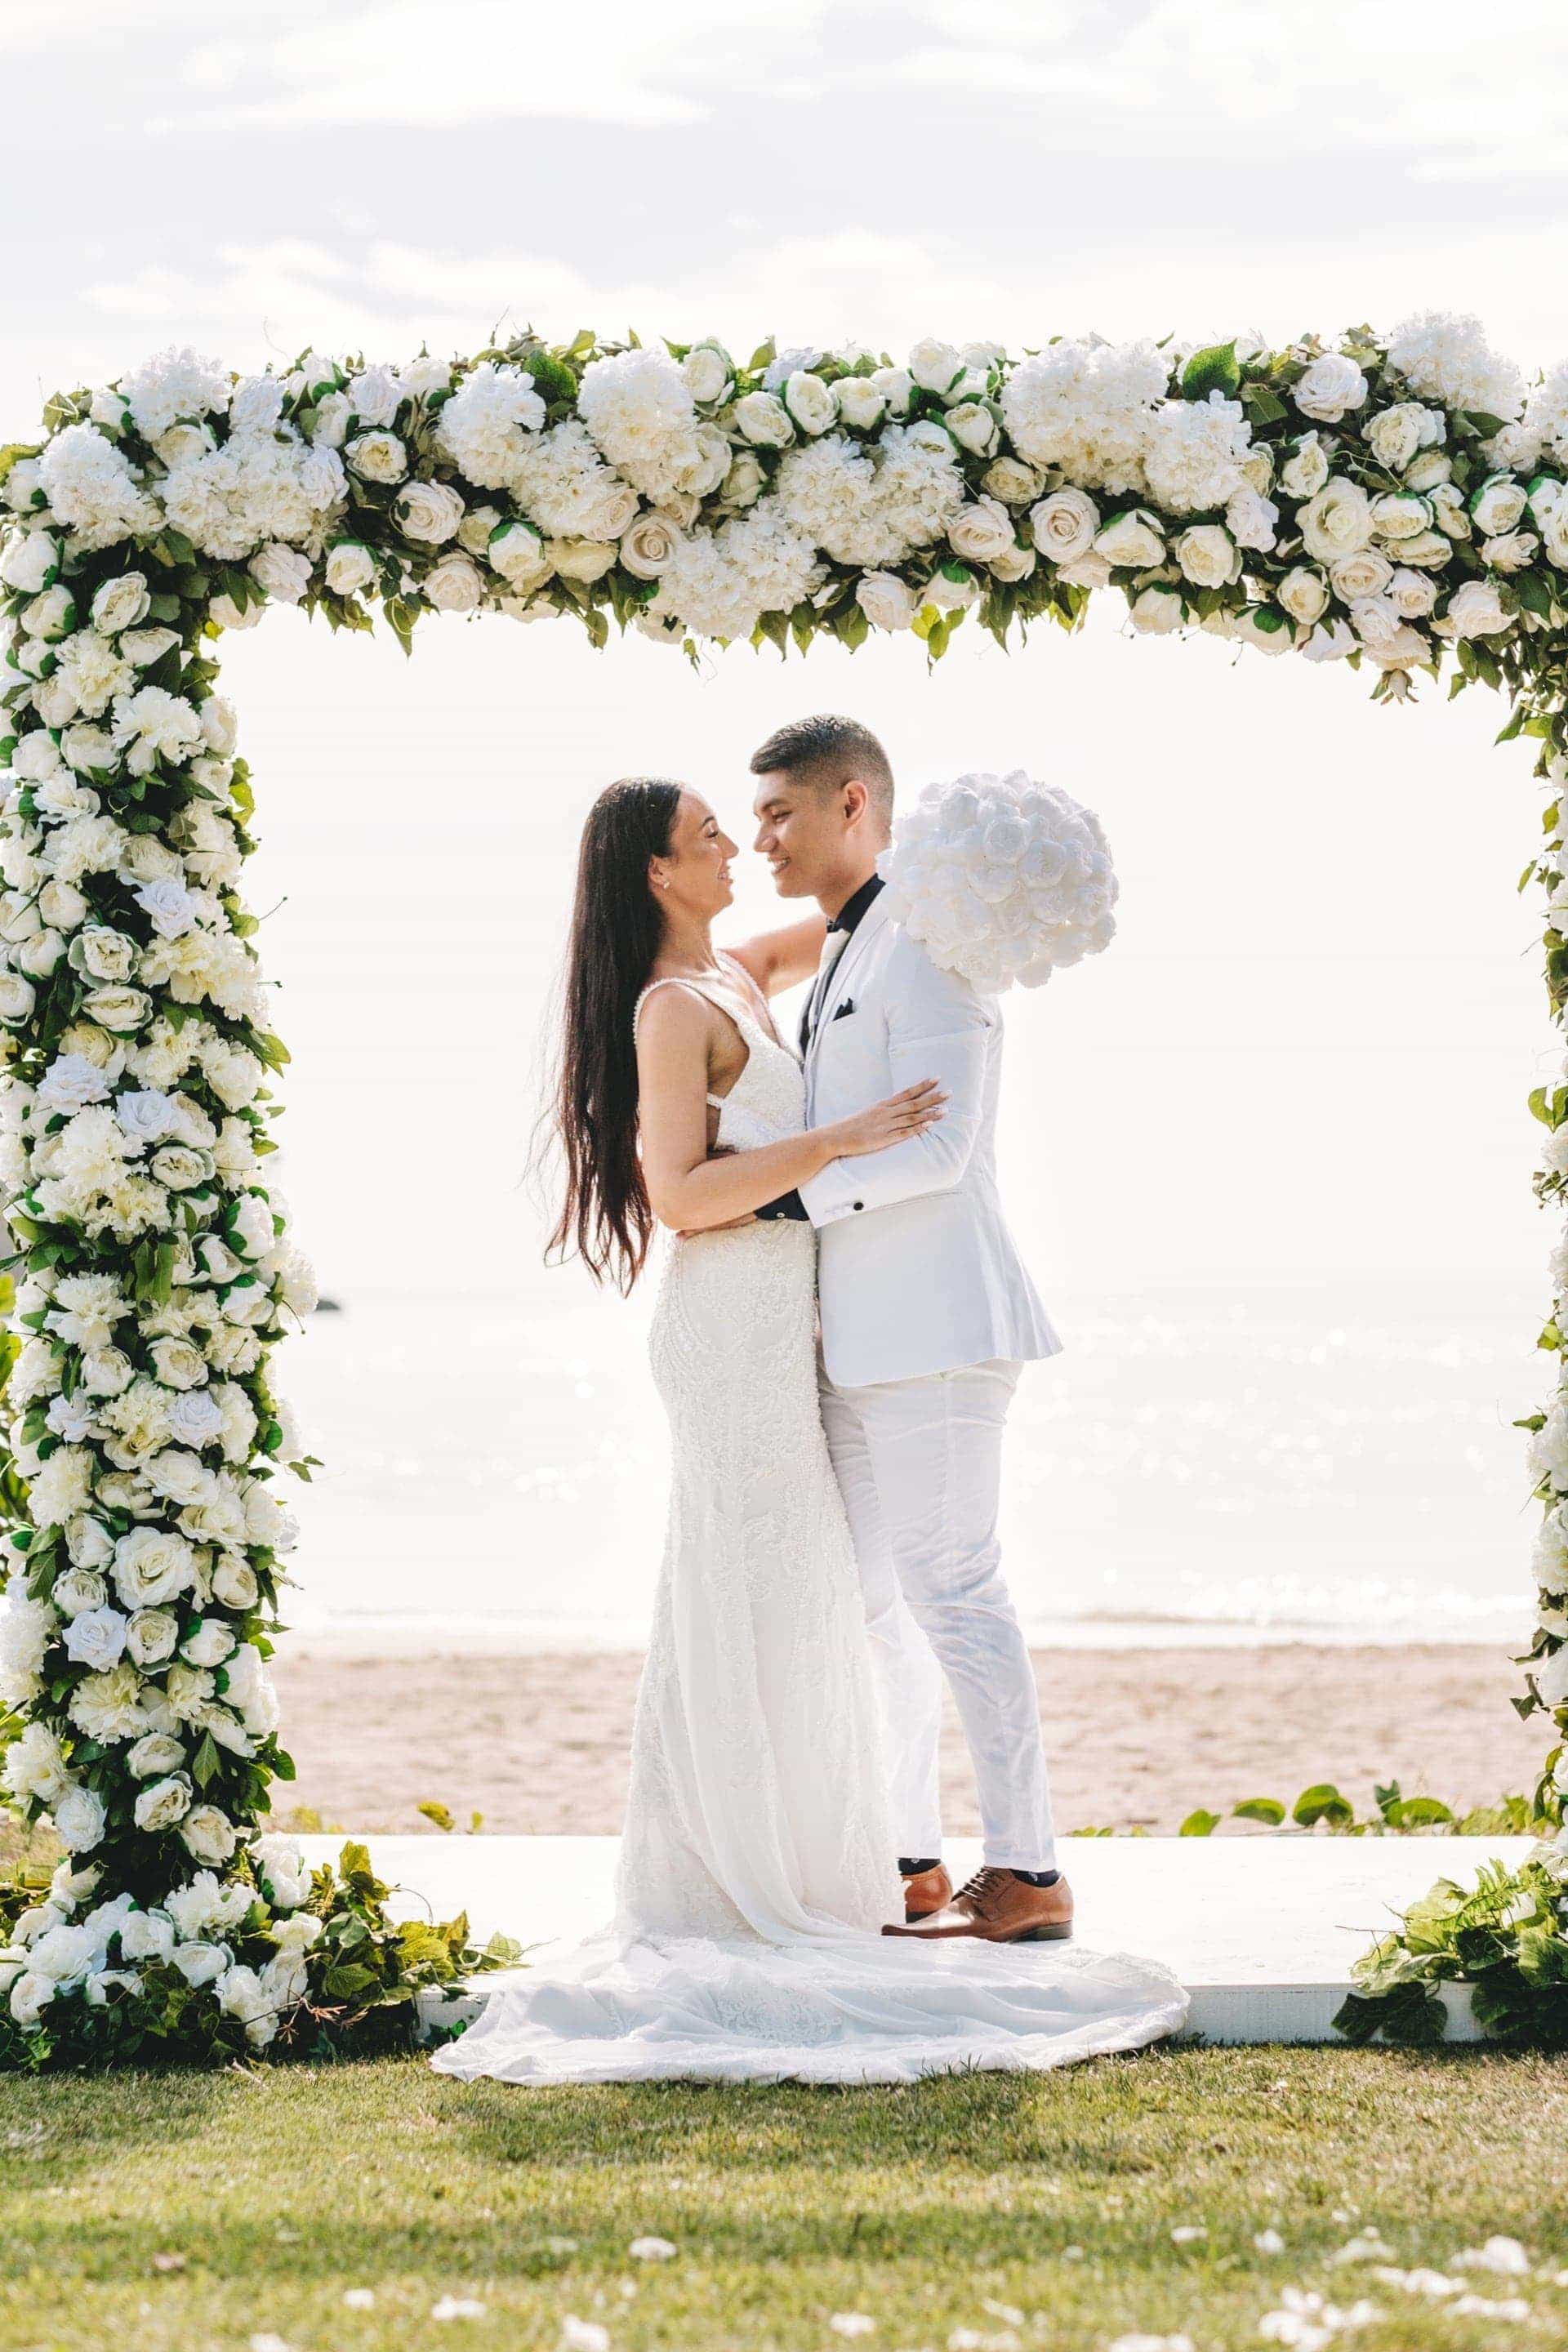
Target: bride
757,1866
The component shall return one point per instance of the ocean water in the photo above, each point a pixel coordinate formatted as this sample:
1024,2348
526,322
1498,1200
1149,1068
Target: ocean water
1326,1461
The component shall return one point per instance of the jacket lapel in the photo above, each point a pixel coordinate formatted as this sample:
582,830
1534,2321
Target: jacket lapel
866,931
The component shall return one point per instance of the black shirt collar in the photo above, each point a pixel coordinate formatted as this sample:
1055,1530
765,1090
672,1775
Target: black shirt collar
849,914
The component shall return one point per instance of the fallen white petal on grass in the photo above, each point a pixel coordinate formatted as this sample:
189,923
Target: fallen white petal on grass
1368,2246
1505,2256
1306,2322
852,2322
583,2335
1481,2306
651,2249
1268,2242
1187,2233
1418,2282
1006,2312
360,2298
458,2306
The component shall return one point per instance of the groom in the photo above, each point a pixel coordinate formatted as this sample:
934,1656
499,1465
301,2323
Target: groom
928,1317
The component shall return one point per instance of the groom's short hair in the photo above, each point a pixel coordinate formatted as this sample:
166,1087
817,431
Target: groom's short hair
824,751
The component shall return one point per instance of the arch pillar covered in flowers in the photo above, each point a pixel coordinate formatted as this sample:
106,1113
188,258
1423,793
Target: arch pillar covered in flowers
1400,503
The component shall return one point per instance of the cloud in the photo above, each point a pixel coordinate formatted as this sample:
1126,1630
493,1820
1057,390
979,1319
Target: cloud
482,60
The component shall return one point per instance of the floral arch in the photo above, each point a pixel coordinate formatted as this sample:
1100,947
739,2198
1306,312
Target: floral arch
1397,503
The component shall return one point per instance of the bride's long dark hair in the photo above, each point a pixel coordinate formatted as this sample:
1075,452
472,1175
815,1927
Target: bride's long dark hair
605,1218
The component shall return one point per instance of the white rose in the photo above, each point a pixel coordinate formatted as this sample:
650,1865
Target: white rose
1449,512
146,1936
351,566
972,427
1401,514
80,1820
96,1639
1064,524
154,1754
897,386
810,402
862,404
230,615
30,1996
1208,555
1428,469
1411,593
378,456
152,1635
709,372
1431,547
744,482
516,551
1330,386
122,1010
1336,521
951,589
234,1583
1252,519
456,584
282,572
203,1963
1157,610
430,512
1304,474
142,647
1304,593
30,562
1132,539
935,366
51,615
982,531
1356,577
583,559
78,1590
17,998
159,1805
1476,609
763,420
39,956
209,1645
208,1834
1499,506
648,546
886,600
120,603
1516,550
1015,562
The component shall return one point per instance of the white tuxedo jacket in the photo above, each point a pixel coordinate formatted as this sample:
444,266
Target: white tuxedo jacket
916,1270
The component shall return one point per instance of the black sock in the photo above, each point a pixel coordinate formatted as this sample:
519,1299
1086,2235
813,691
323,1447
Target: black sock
1038,1877
916,1868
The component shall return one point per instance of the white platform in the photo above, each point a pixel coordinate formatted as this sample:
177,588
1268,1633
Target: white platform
1261,1930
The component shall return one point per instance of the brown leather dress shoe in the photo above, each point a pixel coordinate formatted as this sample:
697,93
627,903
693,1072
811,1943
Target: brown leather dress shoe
926,1893
1000,1907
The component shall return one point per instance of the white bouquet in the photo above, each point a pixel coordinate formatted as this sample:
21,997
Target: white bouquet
1001,879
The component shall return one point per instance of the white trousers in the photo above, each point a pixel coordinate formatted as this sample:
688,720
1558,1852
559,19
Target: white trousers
920,1467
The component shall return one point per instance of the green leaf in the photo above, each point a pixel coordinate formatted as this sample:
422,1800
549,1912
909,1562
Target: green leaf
1214,369
1321,1803
438,1813
1260,1809
205,1763
1199,1824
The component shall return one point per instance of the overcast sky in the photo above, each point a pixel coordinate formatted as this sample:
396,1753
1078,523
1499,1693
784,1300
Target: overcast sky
1308,1048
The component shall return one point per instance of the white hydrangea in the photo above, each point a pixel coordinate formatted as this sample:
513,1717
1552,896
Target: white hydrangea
26,1629
567,487
1445,356
87,481
172,386
256,487
487,427
1085,407
1194,453
718,583
638,408
1001,879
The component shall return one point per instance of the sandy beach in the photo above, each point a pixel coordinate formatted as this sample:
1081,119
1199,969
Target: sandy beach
537,1743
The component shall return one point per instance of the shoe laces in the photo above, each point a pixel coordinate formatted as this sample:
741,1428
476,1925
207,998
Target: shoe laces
984,1884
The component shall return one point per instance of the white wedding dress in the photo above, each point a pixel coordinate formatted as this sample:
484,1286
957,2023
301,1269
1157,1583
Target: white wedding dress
757,1866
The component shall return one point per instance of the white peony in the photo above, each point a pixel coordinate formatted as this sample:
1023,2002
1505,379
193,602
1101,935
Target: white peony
378,456
762,420
80,1820
207,1833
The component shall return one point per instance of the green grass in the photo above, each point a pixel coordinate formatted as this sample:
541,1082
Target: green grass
1055,2195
